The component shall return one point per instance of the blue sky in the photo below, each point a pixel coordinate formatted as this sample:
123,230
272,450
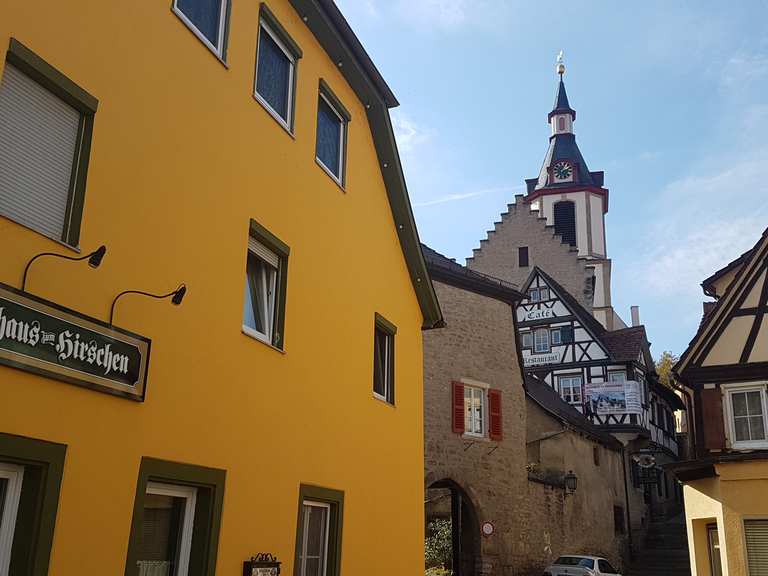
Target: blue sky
670,101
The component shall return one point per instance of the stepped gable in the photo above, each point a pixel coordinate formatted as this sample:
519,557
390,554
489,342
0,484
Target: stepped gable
522,226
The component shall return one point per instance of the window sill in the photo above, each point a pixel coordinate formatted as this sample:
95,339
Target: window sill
748,446
383,400
330,174
200,36
58,241
475,437
275,116
256,336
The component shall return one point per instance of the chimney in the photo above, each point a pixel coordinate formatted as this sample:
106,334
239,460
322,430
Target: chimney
635,311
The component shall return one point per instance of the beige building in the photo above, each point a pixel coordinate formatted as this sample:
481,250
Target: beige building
726,369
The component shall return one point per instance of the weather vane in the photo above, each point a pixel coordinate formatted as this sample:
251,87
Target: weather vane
560,68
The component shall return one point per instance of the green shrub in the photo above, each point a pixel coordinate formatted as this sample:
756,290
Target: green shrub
438,546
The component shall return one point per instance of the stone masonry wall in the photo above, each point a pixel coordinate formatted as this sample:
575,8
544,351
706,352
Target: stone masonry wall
521,226
478,342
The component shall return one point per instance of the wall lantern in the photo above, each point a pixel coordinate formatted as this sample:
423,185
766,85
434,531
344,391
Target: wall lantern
176,297
263,564
571,481
94,261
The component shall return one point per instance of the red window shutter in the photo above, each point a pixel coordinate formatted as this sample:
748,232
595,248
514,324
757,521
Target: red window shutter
495,428
458,407
712,419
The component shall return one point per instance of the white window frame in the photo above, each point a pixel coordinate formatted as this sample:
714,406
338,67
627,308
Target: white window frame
571,377
536,348
542,291
480,389
14,475
552,333
190,496
271,259
342,142
523,336
217,50
612,373
533,294
730,390
389,376
305,534
286,123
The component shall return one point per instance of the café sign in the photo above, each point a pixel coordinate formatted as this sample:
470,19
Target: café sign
45,338
538,314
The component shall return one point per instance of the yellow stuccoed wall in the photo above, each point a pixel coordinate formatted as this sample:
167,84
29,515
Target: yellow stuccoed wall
740,491
182,158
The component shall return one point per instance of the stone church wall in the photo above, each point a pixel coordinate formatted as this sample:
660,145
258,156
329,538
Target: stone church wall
521,226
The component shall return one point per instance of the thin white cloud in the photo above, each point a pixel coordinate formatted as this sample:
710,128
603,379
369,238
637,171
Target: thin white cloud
465,195
741,70
408,133
703,222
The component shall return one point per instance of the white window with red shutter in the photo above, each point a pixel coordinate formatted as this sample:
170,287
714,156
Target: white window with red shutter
476,409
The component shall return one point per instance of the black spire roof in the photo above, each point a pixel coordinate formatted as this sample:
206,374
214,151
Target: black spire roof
562,146
561,102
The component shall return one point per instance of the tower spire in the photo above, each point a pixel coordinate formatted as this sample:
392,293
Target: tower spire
561,98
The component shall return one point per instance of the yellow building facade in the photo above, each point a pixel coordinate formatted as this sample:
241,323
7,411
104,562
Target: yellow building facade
725,369
205,143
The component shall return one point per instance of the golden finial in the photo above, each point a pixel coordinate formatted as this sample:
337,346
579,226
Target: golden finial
560,68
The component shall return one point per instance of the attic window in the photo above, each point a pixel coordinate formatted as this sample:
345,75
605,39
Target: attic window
522,256
565,221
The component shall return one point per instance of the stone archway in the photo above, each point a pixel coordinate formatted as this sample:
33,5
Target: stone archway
446,499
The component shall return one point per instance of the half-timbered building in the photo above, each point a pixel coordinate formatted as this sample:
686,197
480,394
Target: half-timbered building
725,368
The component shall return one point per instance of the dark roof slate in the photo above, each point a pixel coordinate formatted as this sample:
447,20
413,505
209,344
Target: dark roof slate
442,268
561,102
626,344
549,400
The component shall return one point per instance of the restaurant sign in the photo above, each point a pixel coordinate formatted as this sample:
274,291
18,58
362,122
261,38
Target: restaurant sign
45,338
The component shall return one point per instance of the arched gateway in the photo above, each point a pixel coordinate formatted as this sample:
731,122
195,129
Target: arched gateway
447,500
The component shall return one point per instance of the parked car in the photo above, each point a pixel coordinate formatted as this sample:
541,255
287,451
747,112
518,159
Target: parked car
581,566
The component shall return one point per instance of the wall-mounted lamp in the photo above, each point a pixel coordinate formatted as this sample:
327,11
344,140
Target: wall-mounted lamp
571,482
261,565
94,260
176,297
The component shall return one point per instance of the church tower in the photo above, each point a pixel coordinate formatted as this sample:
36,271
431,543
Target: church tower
574,201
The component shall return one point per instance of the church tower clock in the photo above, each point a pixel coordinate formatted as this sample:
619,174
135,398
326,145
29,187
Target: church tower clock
574,201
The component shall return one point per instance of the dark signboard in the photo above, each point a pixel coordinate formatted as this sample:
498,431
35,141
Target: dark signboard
45,338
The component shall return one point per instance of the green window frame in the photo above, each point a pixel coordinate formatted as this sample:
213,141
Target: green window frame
58,84
209,483
384,359
282,251
335,501
43,464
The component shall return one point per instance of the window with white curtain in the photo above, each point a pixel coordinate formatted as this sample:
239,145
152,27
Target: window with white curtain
541,340
474,410
313,551
259,310
570,389
166,537
747,407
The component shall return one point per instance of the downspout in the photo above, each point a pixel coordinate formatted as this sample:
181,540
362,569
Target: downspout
626,500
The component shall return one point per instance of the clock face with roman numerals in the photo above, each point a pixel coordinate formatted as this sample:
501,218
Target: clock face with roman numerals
563,171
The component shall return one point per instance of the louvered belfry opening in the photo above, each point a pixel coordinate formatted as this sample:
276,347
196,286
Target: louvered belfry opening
565,221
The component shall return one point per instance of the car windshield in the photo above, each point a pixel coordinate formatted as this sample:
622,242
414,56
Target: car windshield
575,561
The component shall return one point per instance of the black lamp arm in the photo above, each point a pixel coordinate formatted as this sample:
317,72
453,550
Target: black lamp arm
26,268
124,292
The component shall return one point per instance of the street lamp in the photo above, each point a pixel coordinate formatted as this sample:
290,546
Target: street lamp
571,481
94,260
176,297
